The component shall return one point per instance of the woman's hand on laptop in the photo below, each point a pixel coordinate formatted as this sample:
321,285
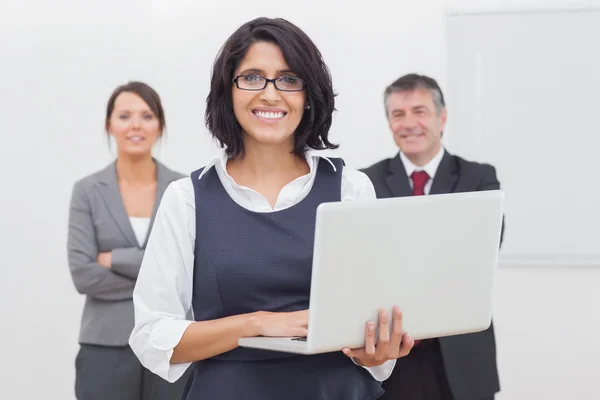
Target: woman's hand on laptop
280,324
385,347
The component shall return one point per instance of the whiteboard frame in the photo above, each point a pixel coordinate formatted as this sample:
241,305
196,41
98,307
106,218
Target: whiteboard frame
544,261
525,9
524,260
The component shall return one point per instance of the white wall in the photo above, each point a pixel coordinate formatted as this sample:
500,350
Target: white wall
60,60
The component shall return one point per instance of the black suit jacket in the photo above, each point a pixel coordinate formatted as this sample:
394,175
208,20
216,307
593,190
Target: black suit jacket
469,360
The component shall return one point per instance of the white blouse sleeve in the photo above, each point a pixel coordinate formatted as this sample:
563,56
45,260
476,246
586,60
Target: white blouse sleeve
163,293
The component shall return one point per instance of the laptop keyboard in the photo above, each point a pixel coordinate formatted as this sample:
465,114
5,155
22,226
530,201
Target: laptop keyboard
300,339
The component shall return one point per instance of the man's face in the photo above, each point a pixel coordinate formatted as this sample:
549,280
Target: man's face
416,124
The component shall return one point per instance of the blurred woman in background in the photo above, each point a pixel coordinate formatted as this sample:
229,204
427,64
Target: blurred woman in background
111,213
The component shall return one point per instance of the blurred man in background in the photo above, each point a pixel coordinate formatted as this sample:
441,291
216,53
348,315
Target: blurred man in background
461,367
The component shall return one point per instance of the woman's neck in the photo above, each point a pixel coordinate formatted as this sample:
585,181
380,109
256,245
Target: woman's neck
136,170
267,169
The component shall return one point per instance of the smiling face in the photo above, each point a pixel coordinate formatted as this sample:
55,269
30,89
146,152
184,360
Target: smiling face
133,125
267,116
416,124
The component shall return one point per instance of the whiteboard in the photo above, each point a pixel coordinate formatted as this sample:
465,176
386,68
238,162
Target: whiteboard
523,94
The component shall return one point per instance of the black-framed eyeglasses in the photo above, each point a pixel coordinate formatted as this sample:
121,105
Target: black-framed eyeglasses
285,83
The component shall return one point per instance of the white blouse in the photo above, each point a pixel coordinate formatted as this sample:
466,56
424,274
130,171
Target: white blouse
140,227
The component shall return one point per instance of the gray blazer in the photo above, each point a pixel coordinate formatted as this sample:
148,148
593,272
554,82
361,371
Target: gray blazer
98,222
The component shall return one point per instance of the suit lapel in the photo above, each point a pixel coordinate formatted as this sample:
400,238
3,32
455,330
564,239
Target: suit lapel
397,180
163,179
108,187
446,175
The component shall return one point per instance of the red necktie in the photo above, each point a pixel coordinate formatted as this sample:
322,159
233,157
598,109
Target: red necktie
420,179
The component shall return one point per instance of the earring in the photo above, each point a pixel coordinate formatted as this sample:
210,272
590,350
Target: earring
307,107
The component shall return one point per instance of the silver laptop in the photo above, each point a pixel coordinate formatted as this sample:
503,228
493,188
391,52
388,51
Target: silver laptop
435,256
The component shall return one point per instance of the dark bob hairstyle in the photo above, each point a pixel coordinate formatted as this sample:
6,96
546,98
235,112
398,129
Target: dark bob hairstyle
303,58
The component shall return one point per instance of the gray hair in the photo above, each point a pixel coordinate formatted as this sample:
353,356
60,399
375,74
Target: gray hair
411,82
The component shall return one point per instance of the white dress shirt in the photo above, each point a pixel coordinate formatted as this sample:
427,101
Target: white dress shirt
163,293
431,168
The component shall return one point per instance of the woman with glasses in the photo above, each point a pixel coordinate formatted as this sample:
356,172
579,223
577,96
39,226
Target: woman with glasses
233,242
